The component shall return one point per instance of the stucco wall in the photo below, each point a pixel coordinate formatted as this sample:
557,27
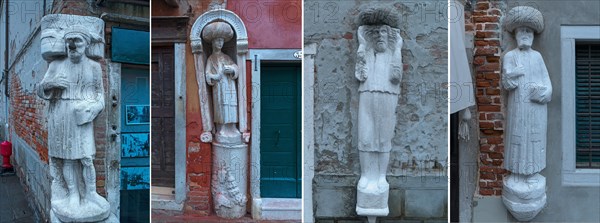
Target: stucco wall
417,172
565,204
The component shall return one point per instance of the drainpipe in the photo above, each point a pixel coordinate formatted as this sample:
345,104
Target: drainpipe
5,73
6,51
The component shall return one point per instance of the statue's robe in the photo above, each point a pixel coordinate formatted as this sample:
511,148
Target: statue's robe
526,119
72,110
224,91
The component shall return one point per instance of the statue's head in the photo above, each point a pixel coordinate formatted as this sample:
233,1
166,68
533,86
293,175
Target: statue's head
524,36
379,24
76,41
379,36
524,21
217,33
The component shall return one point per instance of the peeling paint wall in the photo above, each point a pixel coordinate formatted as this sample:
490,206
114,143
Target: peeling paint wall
419,154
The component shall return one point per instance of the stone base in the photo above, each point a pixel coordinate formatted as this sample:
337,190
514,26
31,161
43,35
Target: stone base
111,219
88,211
372,201
229,183
524,196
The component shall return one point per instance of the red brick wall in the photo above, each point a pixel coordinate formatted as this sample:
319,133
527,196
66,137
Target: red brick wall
27,117
484,21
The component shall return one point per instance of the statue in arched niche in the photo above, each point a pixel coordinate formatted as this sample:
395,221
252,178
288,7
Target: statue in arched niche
221,73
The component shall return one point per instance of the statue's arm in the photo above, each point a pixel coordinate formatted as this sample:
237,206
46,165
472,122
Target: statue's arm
361,62
545,91
44,89
509,72
211,78
89,108
396,76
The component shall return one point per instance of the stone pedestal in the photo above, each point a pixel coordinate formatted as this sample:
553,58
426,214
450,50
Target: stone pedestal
373,202
230,171
524,196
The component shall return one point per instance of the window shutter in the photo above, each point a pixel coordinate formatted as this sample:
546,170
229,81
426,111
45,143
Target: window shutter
587,57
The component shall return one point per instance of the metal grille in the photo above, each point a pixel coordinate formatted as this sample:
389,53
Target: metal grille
587,70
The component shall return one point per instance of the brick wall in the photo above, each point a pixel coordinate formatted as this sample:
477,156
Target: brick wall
484,21
27,117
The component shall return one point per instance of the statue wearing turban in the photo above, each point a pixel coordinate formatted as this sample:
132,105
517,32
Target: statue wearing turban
221,73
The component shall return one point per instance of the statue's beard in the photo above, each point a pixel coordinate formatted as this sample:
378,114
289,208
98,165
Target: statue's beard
524,43
380,47
75,56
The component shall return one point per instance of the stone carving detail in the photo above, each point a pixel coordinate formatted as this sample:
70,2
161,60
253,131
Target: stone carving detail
216,70
525,77
226,192
73,87
379,70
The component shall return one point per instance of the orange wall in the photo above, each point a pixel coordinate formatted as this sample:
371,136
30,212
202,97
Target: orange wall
271,24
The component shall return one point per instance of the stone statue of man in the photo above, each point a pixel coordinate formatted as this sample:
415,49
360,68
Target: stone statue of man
73,86
379,70
221,73
526,79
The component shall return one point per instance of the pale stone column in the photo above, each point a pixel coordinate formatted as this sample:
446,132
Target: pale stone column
379,71
525,77
74,89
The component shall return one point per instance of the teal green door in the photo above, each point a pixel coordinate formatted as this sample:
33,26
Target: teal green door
280,150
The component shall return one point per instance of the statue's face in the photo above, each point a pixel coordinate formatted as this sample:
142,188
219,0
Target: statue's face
524,36
218,43
379,35
76,45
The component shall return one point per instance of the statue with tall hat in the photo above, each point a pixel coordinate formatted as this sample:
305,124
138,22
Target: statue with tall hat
379,71
529,90
221,73
74,89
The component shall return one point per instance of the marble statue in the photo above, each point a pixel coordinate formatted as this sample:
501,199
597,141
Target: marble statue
379,71
526,79
74,89
221,73
229,150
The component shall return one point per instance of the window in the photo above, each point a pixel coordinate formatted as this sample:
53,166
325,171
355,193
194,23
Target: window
587,91
580,99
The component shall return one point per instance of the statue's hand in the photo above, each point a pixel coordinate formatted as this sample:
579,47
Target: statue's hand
540,94
83,113
59,82
227,69
215,77
361,67
396,74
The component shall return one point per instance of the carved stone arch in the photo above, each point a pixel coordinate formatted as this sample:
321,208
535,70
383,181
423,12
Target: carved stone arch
219,15
241,49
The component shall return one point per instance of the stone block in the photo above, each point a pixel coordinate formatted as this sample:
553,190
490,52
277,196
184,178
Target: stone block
425,203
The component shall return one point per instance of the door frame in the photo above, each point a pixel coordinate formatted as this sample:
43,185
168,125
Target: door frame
261,207
180,133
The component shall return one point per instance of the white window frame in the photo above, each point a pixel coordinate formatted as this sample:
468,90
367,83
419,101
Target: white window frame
572,176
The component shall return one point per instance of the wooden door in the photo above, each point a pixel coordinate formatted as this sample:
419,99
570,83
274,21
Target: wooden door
163,118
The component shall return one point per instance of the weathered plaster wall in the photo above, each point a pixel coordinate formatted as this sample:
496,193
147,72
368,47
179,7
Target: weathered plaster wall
565,204
417,172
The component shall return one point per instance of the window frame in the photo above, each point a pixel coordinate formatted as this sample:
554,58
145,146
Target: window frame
572,176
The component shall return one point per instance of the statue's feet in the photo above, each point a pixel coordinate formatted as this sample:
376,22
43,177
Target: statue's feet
362,183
